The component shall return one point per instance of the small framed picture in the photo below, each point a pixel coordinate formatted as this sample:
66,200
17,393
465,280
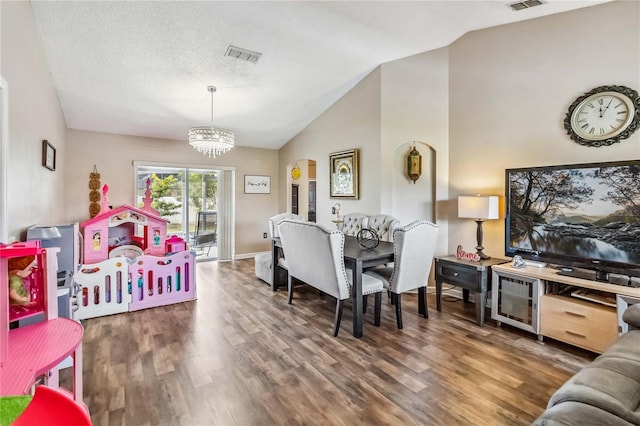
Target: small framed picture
257,184
343,174
48,155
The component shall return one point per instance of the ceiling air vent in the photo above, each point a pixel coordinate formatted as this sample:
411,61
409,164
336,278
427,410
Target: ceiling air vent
521,5
243,54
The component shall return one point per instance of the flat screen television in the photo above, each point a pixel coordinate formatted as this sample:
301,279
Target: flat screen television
579,215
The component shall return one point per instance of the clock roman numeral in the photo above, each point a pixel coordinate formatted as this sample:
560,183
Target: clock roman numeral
622,112
601,131
601,101
585,126
591,131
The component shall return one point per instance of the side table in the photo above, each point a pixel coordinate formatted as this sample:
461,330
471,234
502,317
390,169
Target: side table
468,275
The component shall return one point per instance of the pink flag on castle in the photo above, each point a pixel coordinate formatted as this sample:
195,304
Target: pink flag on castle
104,206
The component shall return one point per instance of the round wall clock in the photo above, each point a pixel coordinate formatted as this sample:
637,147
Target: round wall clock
603,116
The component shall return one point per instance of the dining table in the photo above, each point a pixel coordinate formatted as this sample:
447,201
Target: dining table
356,259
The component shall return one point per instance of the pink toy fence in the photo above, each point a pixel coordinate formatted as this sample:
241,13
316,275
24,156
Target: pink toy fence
103,288
158,281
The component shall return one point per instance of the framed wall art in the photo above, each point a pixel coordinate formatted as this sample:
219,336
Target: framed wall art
257,184
343,174
48,155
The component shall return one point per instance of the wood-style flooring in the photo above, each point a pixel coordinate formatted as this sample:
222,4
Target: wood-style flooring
240,355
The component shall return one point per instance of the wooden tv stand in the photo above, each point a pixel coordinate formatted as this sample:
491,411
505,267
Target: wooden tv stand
577,311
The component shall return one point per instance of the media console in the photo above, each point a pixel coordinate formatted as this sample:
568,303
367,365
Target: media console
545,301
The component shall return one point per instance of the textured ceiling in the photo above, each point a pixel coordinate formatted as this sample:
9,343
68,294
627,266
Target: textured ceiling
142,67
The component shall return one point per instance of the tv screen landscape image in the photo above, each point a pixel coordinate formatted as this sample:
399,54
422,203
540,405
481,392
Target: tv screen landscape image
578,215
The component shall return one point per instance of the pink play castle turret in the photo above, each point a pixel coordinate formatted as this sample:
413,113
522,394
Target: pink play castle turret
147,200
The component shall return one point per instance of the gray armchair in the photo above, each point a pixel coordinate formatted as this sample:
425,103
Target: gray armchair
315,256
263,261
414,246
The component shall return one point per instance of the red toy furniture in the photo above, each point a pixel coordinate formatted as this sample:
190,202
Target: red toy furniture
52,407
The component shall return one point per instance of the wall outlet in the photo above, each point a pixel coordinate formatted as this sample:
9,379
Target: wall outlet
264,235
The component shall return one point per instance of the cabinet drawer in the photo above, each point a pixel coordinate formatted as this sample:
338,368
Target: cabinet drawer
466,277
588,325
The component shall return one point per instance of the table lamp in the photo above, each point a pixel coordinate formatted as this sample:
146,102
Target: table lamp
480,208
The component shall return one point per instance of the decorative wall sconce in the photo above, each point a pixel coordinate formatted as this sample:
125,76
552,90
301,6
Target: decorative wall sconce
414,164
296,172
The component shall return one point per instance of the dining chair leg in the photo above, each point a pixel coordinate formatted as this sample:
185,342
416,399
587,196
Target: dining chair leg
398,310
378,308
423,309
338,318
390,296
365,299
290,287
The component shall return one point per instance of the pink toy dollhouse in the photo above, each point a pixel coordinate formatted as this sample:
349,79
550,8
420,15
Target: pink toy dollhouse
123,271
114,233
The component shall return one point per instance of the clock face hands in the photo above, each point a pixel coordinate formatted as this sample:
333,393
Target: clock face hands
595,119
603,116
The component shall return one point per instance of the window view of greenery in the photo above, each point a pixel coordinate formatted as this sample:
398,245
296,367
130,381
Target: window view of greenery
168,186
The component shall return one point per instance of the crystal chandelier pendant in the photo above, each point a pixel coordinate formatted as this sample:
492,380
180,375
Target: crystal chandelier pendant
211,141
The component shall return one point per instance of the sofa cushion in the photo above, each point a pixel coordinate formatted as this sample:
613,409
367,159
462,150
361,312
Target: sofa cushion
578,414
631,316
610,383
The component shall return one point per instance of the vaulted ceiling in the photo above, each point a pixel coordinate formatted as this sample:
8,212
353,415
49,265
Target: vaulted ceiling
142,67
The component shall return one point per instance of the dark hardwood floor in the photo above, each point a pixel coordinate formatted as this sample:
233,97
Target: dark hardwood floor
240,355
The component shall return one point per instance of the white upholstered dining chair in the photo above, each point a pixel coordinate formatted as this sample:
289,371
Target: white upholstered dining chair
315,256
414,246
262,261
352,223
383,225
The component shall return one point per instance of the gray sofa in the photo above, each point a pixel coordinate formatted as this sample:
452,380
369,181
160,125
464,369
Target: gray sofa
605,392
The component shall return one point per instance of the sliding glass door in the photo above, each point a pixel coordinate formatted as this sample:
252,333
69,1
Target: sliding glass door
190,198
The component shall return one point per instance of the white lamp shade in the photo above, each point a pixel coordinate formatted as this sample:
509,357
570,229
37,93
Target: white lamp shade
479,206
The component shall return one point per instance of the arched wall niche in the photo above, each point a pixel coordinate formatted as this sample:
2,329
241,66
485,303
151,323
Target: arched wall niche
413,201
306,182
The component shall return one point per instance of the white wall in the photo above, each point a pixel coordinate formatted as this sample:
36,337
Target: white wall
114,156
352,122
415,107
35,195
510,89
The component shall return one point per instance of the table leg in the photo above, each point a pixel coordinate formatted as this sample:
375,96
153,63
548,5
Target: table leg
274,266
77,374
465,295
438,295
357,299
481,300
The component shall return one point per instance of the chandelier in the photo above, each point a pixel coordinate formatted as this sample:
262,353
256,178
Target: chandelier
210,140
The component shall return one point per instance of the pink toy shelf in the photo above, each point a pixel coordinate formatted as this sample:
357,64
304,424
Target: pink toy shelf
34,350
34,283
